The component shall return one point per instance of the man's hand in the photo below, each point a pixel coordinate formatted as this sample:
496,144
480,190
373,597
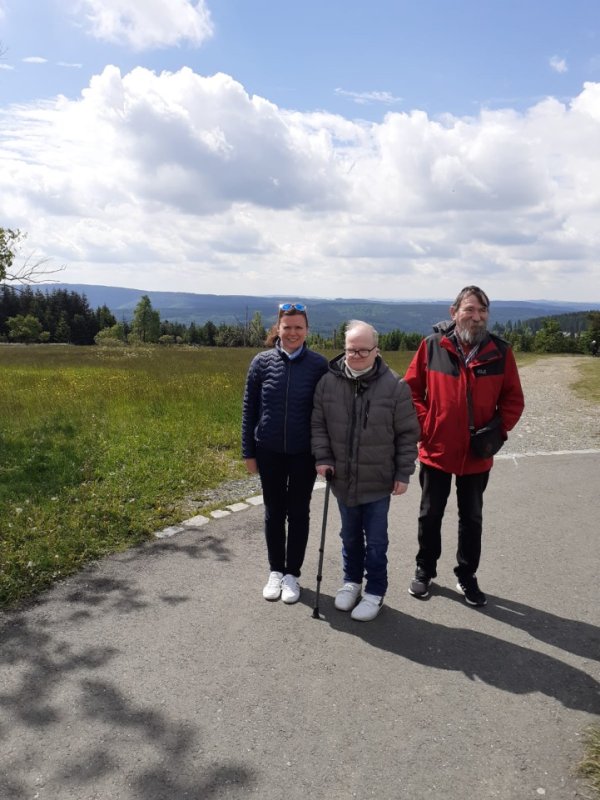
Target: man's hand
322,470
251,465
399,488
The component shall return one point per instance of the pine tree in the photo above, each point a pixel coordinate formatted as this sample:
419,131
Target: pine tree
146,321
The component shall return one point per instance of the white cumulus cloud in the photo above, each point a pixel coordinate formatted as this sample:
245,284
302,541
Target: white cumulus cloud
188,182
144,24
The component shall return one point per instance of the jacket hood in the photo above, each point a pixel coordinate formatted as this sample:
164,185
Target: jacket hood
446,326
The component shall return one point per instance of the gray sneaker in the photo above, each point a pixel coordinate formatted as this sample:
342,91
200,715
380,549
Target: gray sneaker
368,608
419,586
347,597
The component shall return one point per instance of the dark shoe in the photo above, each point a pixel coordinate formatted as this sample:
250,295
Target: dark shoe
419,587
473,594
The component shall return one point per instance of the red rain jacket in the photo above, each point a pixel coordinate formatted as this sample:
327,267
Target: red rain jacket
438,380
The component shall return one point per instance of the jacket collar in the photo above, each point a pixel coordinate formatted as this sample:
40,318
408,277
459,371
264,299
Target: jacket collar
336,365
284,355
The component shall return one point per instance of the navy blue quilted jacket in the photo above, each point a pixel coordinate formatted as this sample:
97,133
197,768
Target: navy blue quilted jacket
278,401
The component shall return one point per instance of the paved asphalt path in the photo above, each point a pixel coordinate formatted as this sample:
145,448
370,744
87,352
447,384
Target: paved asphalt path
162,674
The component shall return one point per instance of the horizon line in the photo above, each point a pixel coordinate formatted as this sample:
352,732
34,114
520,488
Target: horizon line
49,284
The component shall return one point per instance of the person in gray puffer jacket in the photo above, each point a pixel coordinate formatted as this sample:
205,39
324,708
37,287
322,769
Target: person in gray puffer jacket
365,430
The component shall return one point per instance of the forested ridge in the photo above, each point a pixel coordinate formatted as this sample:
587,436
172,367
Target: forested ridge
29,315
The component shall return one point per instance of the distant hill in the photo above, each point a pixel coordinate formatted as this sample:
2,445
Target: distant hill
325,314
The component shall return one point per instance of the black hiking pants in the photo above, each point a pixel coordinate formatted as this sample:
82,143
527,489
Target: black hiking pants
287,484
435,489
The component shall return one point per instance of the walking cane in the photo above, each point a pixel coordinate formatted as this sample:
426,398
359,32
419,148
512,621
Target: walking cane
328,477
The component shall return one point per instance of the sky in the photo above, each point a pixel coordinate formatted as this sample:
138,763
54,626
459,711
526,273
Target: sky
396,149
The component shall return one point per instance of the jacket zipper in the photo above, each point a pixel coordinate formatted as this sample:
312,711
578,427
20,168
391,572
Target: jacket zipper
285,415
353,426
366,414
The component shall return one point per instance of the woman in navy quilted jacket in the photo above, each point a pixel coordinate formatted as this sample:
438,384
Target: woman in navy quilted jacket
278,403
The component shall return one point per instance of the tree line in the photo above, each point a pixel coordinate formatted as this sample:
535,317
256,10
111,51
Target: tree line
61,316
563,333
33,316
65,317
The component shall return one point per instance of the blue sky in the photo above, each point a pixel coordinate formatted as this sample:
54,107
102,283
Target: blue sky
389,149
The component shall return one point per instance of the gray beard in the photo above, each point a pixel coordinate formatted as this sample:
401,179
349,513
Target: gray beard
472,337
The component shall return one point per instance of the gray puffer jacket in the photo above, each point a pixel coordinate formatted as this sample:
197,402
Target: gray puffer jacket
367,428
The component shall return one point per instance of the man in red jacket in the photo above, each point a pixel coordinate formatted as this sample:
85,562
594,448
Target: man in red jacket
461,358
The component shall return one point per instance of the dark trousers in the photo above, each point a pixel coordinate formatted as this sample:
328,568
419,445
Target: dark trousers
287,484
435,488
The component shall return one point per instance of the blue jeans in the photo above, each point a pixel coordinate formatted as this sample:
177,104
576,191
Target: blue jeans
364,537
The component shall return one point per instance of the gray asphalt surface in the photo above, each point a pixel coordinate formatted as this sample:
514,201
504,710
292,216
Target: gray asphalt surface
162,674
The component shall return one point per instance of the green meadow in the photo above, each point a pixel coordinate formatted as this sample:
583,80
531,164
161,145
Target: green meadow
101,447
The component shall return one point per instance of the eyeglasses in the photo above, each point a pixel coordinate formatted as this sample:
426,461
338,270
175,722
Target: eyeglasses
292,307
360,353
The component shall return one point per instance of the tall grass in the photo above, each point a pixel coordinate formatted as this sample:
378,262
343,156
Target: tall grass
99,448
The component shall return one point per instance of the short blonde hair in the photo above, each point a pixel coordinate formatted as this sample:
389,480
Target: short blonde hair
355,324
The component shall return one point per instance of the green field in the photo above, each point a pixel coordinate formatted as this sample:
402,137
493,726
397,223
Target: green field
102,447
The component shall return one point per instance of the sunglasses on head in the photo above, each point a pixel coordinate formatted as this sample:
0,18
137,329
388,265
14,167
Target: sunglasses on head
292,307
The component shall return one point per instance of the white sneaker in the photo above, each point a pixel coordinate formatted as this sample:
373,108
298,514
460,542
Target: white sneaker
272,588
346,597
290,589
368,608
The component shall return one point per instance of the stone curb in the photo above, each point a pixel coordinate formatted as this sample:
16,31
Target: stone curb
199,520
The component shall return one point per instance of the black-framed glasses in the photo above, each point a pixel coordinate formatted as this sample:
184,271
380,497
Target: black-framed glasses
292,307
360,353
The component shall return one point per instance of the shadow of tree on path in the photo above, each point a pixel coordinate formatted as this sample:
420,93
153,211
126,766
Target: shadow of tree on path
176,772
55,699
